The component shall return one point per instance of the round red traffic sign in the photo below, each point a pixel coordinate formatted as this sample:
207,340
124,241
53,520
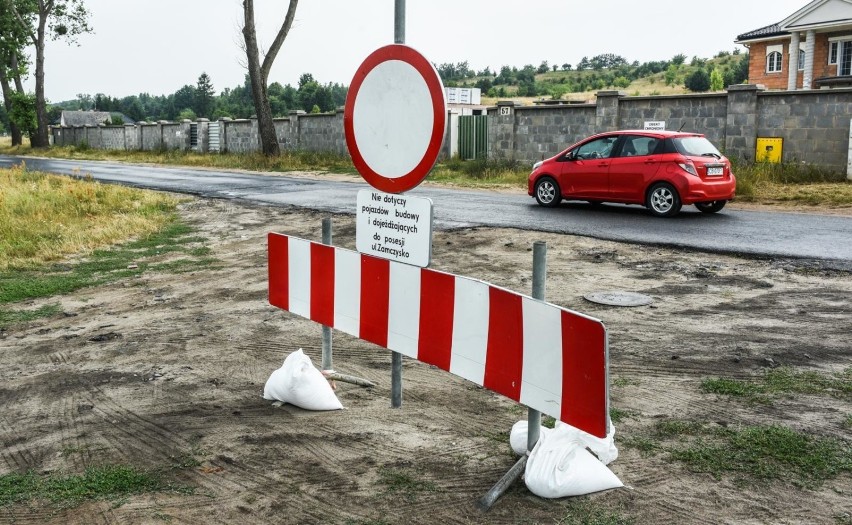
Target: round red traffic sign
395,118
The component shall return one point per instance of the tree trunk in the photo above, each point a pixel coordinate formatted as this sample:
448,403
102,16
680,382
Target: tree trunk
40,138
17,136
259,73
268,139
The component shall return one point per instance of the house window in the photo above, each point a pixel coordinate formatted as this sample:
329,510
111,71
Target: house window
801,60
844,62
773,62
840,54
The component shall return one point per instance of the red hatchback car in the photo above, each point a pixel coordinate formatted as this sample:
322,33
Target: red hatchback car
662,170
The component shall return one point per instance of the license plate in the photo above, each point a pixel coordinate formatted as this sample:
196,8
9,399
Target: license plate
715,171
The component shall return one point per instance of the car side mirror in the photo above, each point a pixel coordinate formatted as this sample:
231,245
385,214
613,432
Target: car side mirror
568,156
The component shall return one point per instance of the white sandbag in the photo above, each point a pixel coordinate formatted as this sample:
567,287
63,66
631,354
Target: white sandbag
299,383
560,466
518,436
603,448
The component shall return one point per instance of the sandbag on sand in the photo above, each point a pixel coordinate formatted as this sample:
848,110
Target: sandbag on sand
299,383
559,464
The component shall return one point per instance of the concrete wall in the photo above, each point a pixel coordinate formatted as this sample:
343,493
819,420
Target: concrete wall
814,125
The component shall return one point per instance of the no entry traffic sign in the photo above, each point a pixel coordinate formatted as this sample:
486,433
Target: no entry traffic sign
395,118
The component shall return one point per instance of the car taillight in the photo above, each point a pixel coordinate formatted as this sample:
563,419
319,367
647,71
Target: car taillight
688,166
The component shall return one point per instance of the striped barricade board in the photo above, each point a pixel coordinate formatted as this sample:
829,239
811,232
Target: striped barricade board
548,358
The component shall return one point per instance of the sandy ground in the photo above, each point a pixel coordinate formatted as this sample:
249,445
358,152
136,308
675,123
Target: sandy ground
155,368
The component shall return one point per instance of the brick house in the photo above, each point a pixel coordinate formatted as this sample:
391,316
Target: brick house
821,34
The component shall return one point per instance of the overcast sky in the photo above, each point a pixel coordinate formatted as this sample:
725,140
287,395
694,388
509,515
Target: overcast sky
157,46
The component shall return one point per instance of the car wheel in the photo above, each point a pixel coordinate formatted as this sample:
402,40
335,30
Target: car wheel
663,200
547,192
710,207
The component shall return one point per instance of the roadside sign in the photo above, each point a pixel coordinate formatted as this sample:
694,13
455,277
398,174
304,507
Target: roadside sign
655,125
395,118
395,227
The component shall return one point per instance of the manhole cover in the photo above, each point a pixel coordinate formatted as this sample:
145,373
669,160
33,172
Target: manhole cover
618,298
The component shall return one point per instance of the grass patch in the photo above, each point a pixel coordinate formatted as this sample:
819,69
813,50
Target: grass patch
755,452
791,183
44,218
104,266
617,415
621,382
10,316
481,173
584,513
402,483
96,483
782,381
287,161
768,452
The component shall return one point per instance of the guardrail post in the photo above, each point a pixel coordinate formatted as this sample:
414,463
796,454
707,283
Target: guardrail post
533,416
326,330
539,278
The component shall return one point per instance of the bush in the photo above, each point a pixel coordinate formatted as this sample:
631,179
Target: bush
698,80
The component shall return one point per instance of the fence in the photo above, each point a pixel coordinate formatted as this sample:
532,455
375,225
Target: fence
814,126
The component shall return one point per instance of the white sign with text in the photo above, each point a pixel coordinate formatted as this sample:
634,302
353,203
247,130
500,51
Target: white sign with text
394,226
655,125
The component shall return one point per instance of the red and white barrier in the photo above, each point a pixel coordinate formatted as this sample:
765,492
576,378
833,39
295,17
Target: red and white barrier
548,358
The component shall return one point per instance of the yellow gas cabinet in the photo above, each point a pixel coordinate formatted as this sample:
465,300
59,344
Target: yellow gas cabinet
769,149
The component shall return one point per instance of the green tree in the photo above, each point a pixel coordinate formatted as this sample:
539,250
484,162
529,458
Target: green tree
23,112
204,94
741,70
13,62
717,81
183,98
187,114
671,75
57,19
698,80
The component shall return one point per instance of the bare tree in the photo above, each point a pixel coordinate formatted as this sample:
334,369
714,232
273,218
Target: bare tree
259,73
59,19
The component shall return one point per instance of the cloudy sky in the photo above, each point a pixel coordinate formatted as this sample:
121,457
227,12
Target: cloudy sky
157,46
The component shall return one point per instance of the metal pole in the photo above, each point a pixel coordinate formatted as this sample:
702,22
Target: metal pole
539,278
503,485
326,330
396,357
399,22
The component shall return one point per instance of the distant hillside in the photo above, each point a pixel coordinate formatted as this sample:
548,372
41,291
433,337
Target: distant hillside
581,82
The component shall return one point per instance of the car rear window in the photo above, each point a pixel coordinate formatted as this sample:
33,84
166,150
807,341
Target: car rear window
695,147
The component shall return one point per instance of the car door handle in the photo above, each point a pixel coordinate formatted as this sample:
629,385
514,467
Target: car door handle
603,164
650,161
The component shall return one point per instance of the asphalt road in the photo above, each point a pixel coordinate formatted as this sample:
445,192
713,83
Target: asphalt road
823,238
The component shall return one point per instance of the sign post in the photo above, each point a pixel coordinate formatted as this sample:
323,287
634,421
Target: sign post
394,122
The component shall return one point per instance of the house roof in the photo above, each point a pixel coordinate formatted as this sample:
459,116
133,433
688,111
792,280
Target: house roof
84,118
817,14
763,32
